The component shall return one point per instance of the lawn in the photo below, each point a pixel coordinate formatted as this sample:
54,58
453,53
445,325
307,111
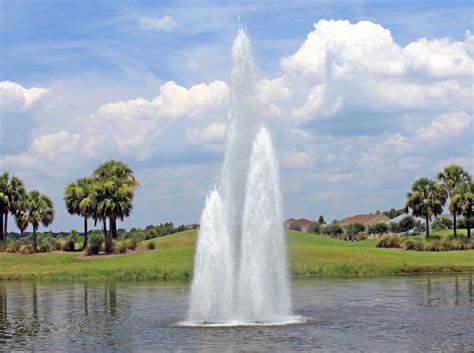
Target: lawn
310,255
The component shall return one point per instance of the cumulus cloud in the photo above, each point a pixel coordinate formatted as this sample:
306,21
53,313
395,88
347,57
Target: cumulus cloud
446,126
15,97
212,132
19,107
49,153
166,23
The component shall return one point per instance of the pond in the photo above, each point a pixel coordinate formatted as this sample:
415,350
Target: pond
413,313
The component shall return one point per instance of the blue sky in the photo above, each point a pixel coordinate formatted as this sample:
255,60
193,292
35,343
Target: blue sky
383,108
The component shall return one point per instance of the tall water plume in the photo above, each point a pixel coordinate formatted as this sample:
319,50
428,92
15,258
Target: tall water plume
264,292
240,271
213,280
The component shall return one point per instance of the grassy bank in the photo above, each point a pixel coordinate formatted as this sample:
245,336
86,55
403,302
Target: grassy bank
310,255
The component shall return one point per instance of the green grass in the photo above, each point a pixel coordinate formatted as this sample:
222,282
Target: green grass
310,255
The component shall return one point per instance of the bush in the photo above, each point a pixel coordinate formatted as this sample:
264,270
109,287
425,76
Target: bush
388,242
419,227
71,240
315,228
47,243
408,244
122,246
134,241
151,245
438,224
27,250
95,243
435,245
295,226
14,246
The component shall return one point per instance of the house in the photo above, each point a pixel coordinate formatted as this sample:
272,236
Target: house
302,223
367,219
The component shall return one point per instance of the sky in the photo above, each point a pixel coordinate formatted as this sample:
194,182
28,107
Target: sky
362,97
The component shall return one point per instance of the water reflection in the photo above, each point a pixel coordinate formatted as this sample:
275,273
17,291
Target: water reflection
403,313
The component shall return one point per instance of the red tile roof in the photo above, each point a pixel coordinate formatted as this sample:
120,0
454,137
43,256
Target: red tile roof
366,218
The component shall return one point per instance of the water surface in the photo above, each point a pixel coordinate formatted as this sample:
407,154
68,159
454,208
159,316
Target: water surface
385,314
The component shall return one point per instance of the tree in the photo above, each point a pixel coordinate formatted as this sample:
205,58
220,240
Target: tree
37,209
321,220
452,176
77,197
353,229
378,228
114,188
406,224
461,202
335,229
12,193
426,199
314,227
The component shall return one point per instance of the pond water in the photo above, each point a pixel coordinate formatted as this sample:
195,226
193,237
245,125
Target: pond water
416,313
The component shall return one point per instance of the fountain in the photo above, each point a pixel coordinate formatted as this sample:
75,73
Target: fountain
241,271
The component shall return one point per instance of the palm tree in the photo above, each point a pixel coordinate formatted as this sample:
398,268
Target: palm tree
77,200
38,209
452,176
114,189
12,192
426,199
461,202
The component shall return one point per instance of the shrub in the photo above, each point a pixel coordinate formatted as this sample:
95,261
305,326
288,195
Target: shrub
27,250
435,245
69,245
14,246
315,228
151,245
122,246
408,244
438,224
95,243
419,227
295,226
388,242
134,241
47,243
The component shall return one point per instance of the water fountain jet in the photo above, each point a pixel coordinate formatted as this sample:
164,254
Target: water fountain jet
241,272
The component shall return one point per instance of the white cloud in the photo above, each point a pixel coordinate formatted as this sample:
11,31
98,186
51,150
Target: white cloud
212,132
166,23
446,126
296,159
15,97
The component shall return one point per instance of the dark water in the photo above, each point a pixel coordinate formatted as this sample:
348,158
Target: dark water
389,314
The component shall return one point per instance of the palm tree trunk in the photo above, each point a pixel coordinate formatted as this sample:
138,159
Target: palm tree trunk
114,228
35,245
1,229
468,221
427,225
107,237
454,225
5,231
84,245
